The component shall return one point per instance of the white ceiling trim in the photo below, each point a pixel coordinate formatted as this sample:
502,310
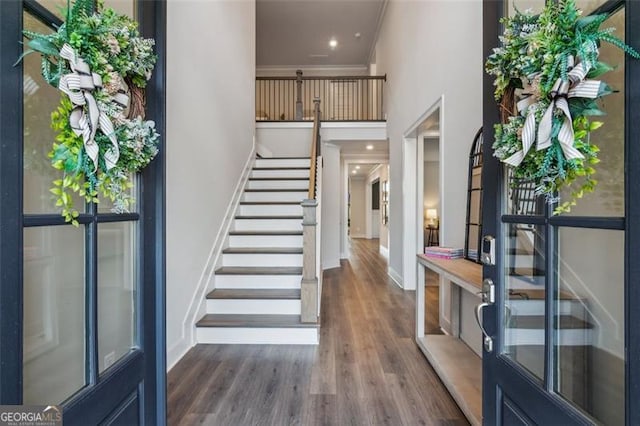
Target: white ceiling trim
339,70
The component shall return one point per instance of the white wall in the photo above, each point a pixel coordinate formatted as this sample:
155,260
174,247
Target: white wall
357,191
210,129
284,139
425,54
331,175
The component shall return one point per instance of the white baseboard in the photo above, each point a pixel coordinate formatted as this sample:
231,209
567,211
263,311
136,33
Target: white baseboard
395,276
363,236
197,303
263,151
258,336
384,251
330,265
177,351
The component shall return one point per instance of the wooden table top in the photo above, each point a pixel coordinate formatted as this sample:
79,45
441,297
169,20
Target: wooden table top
465,271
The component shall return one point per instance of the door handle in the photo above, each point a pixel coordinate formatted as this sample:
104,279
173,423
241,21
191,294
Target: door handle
488,299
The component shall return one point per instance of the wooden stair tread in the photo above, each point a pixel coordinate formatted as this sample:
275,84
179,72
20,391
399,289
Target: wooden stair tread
263,250
275,190
526,272
269,203
273,233
284,158
253,321
539,295
255,293
263,270
277,178
281,168
537,322
267,217
519,252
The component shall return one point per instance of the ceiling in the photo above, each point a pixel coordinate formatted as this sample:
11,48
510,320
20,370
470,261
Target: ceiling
352,148
362,171
297,32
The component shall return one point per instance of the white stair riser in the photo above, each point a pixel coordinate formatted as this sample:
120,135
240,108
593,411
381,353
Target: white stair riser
280,173
270,210
267,224
279,184
521,261
568,337
257,336
275,196
255,259
536,307
254,307
282,162
257,281
265,240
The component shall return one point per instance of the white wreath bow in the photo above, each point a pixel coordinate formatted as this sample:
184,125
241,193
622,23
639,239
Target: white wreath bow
575,87
78,85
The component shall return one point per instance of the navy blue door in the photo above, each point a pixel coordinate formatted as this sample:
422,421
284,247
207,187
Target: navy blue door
561,344
81,308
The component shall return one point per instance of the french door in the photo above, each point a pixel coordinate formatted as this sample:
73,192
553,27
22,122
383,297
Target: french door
563,343
81,308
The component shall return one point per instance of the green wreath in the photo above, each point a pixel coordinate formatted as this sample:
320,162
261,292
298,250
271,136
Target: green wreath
545,80
99,61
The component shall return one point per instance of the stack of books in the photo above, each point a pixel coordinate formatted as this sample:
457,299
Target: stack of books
444,252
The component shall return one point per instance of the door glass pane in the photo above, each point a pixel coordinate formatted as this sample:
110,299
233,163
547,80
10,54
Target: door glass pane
521,198
588,6
608,197
107,206
57,7
533,6
590,322
117,290
54,314
524,311
40,99
126,7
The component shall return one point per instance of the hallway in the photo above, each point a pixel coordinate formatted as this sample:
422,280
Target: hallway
366,370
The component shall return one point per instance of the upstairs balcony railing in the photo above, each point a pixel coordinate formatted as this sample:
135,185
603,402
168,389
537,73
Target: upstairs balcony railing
342,98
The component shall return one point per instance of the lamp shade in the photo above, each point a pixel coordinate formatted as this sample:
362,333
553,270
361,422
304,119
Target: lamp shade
432,214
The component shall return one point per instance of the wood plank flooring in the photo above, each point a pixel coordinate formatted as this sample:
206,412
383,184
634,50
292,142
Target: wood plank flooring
432,303
367,369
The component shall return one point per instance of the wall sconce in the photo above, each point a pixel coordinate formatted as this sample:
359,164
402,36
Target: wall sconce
432,218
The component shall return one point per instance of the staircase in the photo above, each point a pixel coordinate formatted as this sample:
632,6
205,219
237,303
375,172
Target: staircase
256,299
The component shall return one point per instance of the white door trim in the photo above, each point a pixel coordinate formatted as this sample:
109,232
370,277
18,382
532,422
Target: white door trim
412,194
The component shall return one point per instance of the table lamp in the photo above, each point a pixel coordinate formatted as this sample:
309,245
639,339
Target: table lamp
432,217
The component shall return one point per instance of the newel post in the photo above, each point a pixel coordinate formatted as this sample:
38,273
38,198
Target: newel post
299,95
309,286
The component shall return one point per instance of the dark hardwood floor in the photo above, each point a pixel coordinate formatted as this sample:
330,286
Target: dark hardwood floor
367,369
432,303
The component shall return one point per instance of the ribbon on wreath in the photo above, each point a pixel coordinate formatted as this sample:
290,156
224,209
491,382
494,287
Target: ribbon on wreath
78,85
576,86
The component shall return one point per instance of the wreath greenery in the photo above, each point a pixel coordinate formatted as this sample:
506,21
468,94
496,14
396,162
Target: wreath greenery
98,59
545,71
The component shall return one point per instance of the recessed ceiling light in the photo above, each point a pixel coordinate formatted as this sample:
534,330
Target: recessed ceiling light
354,172
369,147
358,167
357,35
333,43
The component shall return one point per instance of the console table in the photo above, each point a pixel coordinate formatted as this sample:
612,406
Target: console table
458,366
